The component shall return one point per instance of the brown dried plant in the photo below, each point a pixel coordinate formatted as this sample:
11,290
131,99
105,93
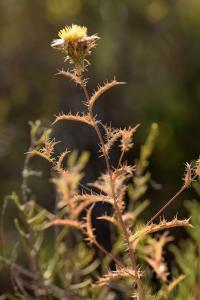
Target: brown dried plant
113,182
111,186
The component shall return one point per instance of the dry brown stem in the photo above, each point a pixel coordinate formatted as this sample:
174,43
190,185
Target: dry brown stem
116,206
92,239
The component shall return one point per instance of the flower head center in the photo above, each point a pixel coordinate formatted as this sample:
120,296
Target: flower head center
73,33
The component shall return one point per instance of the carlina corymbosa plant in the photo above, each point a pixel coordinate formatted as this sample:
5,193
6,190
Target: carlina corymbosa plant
137,251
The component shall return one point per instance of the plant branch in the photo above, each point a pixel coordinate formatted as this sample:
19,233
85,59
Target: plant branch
123,225
166,205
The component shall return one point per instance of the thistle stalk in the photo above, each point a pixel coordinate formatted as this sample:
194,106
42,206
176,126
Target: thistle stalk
76,46
117,209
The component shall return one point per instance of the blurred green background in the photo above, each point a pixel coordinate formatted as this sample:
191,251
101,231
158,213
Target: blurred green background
152,45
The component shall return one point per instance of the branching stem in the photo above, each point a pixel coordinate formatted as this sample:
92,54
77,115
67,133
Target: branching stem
120,159
171,200
166,205
123,225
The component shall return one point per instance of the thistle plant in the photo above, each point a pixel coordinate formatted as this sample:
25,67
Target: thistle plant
74,272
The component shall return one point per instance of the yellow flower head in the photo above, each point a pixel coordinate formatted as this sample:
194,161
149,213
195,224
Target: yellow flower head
73,33
76,45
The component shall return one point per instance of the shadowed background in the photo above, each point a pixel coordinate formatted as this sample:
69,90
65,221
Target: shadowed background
152,45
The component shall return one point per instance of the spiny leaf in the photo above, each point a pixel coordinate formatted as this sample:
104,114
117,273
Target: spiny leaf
101,90
89,228
64,222
46,151
58,166
71,76
84,118
116,275
126,140
112,135
163,225
88,199
110,219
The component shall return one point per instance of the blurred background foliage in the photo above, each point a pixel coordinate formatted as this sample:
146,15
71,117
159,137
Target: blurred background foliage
152,45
